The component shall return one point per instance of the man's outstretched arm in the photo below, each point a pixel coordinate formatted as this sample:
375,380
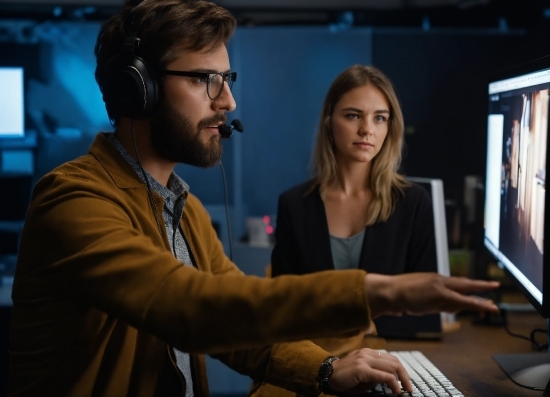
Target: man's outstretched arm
423,293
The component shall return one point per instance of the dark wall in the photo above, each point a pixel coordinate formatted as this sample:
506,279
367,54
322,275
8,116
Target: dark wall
286,73
442,79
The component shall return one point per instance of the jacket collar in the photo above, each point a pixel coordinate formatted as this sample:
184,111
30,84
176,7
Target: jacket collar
110,158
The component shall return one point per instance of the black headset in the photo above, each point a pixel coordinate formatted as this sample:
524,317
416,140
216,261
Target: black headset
129,86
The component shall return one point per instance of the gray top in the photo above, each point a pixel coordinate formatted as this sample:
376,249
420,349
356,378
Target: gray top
346,250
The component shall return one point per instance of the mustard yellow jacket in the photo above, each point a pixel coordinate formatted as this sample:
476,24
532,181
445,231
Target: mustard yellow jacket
98,297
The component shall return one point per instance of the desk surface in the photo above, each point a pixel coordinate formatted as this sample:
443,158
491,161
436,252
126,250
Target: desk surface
465,355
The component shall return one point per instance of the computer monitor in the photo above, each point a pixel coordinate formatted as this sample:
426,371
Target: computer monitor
430,326
12,102
434,187
517,215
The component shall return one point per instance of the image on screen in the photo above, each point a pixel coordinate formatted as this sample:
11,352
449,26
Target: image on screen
517,128
12,107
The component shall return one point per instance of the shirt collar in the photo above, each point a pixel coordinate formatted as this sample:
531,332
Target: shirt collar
176,186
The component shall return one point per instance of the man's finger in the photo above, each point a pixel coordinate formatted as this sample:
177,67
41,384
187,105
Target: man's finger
465,285
472,303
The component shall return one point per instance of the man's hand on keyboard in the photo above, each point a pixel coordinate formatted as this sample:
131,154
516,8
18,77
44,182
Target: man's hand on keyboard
361,370
423,293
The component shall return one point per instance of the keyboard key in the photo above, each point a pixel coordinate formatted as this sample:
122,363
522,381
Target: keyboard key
427,379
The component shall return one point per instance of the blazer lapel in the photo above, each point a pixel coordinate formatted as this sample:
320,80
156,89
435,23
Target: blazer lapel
316,232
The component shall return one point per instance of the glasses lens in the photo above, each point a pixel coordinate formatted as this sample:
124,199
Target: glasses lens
216,82
215,86
230,79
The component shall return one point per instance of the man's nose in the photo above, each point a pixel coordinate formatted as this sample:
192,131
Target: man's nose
225,101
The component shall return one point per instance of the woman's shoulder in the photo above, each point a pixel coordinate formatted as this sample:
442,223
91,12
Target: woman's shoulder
414,193
299,191
416,189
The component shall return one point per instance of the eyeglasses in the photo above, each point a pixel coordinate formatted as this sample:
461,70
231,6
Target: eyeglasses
214,81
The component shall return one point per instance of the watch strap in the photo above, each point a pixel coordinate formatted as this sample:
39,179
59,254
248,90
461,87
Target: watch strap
325,372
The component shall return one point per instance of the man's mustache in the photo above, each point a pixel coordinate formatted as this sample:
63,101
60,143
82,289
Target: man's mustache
212,121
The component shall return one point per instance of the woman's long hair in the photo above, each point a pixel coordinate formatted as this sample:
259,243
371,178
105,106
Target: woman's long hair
385,181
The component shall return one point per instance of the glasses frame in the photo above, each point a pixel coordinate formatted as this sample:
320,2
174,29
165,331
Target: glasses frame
230,77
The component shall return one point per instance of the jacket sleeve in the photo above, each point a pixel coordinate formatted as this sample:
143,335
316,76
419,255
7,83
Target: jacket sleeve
293,366
88,245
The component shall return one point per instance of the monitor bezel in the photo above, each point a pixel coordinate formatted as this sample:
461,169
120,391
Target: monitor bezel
543,307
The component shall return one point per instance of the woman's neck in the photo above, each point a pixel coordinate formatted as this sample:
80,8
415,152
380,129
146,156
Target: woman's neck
352,179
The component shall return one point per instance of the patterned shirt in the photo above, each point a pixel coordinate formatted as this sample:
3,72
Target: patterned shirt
174,196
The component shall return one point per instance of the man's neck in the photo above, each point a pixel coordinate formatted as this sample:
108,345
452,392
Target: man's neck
157,167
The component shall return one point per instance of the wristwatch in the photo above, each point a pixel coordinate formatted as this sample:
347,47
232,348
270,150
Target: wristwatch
325,371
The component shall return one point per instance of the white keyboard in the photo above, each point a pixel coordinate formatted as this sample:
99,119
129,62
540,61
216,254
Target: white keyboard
427,380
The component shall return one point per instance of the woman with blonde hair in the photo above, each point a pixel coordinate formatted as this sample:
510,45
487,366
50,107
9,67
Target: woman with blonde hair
357,211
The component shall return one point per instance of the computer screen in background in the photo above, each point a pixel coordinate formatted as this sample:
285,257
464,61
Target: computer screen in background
516,215
429,326
12,102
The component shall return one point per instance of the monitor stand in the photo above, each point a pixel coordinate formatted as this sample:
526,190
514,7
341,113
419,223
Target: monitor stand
527,370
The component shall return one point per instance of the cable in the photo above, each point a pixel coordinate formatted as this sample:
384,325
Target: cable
533,342
530,338
149,190
227,212
154,205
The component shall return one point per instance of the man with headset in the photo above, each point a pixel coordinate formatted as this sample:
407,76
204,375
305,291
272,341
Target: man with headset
121,282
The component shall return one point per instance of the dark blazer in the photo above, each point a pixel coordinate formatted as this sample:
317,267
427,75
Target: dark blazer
403,243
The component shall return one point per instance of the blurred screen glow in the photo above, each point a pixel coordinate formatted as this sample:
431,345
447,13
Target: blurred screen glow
12,107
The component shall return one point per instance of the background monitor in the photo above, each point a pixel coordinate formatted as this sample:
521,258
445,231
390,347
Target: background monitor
430,326
12,102
516,205
434,187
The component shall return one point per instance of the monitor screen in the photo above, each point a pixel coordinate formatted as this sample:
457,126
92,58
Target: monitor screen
12,106
515,187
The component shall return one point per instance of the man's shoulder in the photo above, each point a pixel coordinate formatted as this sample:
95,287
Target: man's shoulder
82,167
100,166
79,167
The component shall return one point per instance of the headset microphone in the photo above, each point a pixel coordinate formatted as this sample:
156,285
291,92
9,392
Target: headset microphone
227,130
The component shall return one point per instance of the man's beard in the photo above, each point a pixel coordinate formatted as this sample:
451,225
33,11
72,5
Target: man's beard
175,139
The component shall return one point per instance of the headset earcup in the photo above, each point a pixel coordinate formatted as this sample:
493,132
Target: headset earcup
129,89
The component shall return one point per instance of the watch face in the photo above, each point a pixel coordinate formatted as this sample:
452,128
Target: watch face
325,370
